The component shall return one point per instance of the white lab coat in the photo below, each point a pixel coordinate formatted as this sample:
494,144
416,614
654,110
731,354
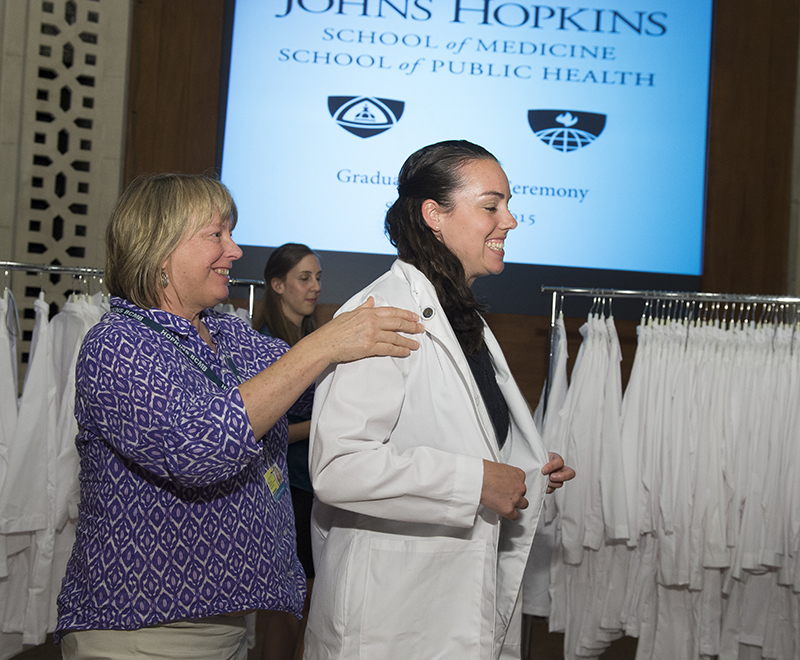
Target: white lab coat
408,563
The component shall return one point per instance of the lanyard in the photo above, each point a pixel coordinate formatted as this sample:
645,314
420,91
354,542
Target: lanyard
169,336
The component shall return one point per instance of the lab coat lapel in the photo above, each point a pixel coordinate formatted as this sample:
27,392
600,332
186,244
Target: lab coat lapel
438,328
526,450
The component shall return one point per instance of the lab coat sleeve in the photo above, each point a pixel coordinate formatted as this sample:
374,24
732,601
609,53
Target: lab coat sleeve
357,465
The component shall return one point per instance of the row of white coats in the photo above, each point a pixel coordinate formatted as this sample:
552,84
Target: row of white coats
683,527
39,464
38,467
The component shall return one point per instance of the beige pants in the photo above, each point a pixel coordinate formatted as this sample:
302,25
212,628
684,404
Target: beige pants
212,638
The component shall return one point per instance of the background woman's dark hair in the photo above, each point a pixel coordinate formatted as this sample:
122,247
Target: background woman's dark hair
435,172
270,313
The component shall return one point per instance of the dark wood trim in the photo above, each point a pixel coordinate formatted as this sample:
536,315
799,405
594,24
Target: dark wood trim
174,86
750,151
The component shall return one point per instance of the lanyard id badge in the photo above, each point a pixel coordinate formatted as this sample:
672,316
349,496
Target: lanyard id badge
275,481
199,363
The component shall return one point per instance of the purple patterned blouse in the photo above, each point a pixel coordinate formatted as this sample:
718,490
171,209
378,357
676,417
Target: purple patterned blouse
176,518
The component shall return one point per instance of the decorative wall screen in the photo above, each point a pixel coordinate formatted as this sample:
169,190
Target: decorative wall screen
63,83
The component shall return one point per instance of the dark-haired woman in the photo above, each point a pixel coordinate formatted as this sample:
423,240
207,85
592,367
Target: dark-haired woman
428,471
292,277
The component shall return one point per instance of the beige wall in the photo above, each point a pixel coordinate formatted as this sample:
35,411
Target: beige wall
63,105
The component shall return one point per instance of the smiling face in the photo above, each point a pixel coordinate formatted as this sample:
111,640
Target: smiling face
299,290
199,269
475,227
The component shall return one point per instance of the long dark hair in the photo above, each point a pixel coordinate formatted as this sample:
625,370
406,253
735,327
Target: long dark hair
435,172
270,313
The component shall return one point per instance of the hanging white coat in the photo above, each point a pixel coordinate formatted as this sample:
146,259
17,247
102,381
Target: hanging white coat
408,563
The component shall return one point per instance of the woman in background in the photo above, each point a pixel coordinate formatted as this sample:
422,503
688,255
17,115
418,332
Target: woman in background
292,277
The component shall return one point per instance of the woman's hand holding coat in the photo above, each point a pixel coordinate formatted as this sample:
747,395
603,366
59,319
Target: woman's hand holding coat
504,485
503,489
557,471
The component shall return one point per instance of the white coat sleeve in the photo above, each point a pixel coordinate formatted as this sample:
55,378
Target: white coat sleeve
356,464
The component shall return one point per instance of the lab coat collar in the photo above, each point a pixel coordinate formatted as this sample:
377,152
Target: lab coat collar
431,313
434,319
439,327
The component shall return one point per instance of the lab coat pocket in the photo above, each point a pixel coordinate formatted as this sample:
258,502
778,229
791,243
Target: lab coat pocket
423,599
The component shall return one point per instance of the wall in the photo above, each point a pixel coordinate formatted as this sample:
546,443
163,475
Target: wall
174,86
793,266
172,126
63,102
750,149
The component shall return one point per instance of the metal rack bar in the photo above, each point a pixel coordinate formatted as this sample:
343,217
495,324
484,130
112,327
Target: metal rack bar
98,272
46,268
75,270
560,291
251,299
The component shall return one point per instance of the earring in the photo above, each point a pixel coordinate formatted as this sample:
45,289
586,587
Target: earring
164,279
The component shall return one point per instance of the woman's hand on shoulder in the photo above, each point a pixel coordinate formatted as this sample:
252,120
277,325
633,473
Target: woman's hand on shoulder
557,472
366,331
369,331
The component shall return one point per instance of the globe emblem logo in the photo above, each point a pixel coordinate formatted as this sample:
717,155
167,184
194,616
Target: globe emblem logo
365,116
566,130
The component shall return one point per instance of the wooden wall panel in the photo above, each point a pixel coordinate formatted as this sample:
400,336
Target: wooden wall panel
174,86
750,150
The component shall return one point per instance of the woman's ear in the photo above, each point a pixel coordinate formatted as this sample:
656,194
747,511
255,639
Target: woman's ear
277,285
431,213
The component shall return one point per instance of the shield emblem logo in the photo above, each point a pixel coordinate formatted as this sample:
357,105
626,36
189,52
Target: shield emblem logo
365,116
566,130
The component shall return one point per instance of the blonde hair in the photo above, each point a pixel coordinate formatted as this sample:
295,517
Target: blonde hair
150,219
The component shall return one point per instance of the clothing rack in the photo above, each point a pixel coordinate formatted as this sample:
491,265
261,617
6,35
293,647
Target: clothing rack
46,268
251,298
560,292
98,272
